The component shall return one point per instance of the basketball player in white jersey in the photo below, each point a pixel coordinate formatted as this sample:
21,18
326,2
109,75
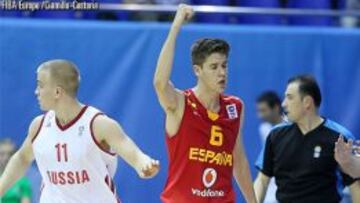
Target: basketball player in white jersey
70,143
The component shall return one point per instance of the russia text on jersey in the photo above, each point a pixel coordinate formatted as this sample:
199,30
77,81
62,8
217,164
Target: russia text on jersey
68,177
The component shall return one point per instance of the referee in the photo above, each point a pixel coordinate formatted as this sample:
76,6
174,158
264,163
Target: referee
300,155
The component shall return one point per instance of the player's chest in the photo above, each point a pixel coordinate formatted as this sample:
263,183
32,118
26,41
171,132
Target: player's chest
203,125
56,146
212,134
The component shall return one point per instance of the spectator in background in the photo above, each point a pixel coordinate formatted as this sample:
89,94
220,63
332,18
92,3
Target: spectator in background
268,107
21,191
107,15
152,16
351,21
169,16
142,16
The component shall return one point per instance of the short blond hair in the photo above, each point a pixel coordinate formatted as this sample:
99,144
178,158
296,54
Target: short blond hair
64,73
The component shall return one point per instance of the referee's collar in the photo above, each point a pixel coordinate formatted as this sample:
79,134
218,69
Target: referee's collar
317,128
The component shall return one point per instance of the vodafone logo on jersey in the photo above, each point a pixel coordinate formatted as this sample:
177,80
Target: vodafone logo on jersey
209,177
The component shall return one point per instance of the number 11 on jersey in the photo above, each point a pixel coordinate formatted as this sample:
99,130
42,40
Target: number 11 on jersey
61,152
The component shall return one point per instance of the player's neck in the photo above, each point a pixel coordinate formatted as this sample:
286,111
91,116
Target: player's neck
209,99
309,122
67,112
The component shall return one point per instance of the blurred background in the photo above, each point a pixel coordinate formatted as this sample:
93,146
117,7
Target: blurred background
116,49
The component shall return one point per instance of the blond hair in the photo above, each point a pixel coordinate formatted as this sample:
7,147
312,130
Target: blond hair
63,73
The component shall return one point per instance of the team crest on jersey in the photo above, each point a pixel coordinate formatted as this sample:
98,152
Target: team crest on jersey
209,177
317,151
49,118
232,111
81,130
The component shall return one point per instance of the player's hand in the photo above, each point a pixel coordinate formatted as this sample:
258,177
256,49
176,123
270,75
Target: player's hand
150,168
183,14
343,151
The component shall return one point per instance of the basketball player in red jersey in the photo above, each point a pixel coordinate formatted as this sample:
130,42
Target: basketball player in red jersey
203,126
69,142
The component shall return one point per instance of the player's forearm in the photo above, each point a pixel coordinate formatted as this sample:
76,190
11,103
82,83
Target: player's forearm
355,191
14,170
354,168
351,167
131,153
165,61
243,179
260,188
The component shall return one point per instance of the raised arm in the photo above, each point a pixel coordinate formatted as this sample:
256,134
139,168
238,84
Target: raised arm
168,96
21,160
241,167
108,130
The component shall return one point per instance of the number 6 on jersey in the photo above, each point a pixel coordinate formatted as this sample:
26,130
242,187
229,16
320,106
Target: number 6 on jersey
216,136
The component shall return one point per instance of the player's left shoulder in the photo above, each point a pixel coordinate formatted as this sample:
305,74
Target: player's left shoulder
234,106
231,99
103,125
103,121
338,129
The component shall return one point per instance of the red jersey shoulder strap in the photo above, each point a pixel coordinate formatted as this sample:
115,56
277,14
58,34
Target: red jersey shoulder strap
233,106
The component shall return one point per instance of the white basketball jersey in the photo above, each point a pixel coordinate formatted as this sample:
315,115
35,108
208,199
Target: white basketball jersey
73,166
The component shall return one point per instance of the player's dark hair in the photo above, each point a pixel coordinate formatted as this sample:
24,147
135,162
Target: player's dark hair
308,87
270,98
203,48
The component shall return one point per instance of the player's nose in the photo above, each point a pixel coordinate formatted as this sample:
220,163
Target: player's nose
222,73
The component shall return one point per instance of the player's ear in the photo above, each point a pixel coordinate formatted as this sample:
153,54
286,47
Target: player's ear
308,101
58,91
196,69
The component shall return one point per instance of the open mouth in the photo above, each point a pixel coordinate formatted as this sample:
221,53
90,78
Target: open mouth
222,82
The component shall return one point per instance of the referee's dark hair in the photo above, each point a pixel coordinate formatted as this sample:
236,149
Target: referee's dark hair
308,87
270,98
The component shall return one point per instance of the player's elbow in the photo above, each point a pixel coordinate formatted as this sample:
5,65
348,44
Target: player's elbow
159,84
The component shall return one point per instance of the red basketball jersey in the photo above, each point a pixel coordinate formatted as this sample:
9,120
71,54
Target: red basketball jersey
201,153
